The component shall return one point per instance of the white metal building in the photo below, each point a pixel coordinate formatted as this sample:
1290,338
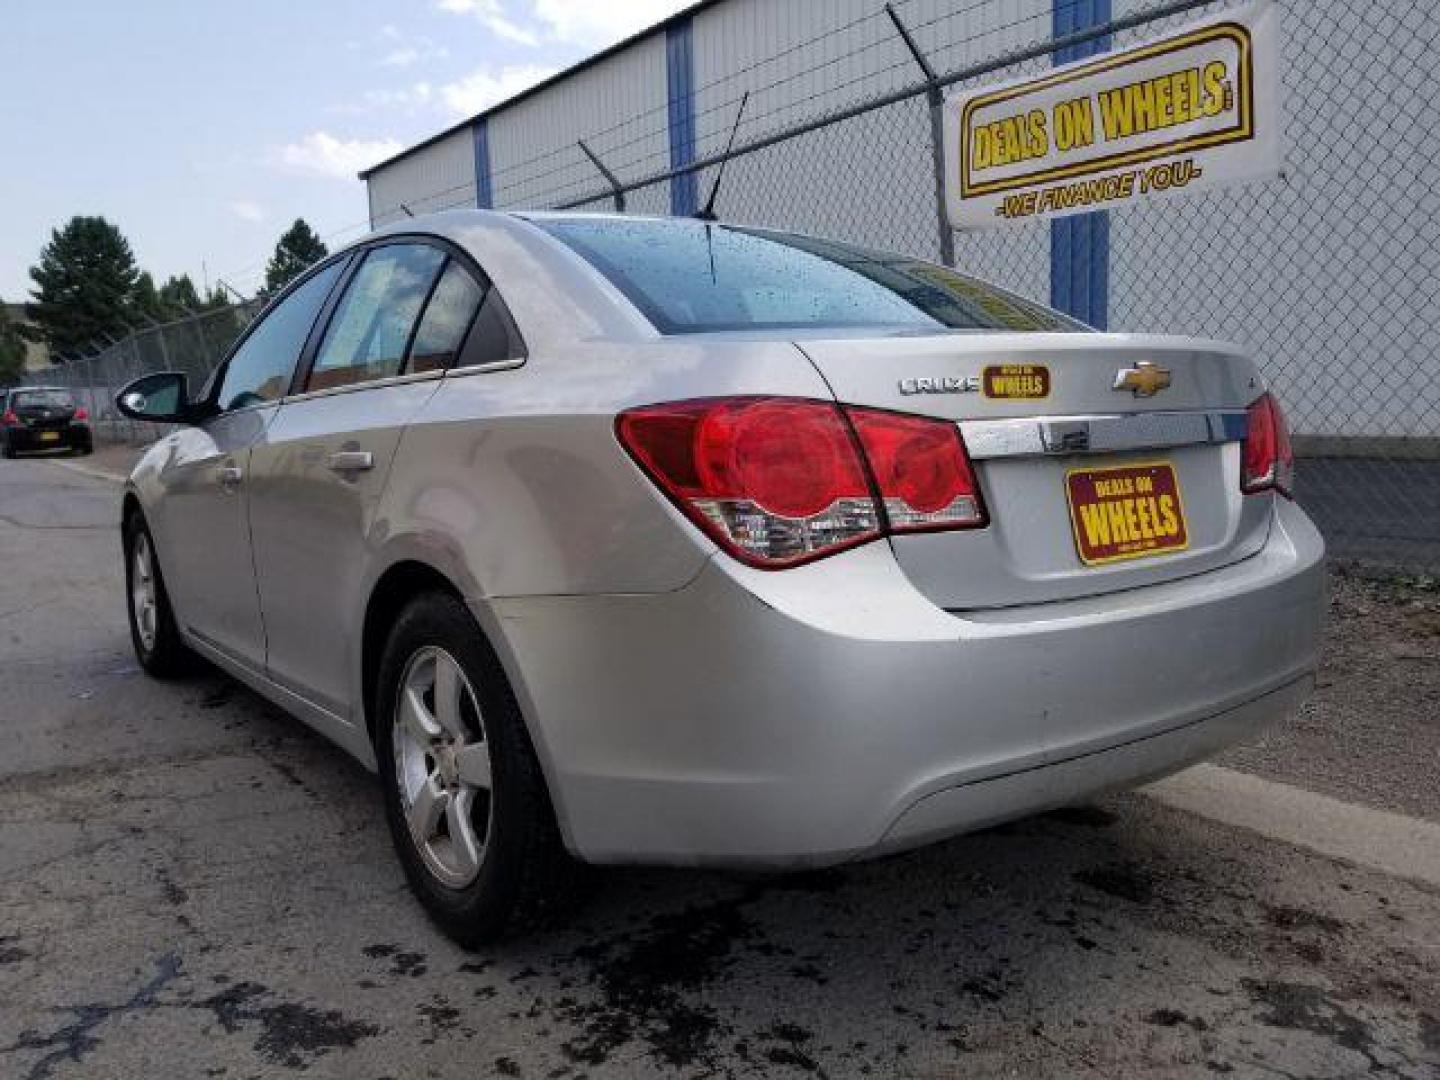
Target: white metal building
1331,280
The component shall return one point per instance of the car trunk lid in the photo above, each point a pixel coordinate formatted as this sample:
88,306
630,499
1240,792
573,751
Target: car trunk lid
1106,461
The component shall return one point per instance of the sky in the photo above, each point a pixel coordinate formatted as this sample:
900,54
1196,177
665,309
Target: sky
203,129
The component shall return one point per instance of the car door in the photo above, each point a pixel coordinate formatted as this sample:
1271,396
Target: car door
204,534
317,478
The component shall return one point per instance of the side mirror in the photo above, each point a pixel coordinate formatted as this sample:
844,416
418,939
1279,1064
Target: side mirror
162,398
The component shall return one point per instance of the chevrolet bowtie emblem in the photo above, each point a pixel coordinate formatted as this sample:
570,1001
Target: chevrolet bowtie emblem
1145,379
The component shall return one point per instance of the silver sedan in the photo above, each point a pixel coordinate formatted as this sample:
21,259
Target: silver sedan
621,540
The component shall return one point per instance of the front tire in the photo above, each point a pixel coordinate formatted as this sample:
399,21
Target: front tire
465,798
153,632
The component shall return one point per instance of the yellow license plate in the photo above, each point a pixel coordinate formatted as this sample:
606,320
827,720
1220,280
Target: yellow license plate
49,436
1126,512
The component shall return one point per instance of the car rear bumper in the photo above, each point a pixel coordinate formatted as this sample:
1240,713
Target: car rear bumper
831,712
22,439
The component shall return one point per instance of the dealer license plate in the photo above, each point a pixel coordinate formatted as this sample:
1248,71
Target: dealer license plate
49,436
1126,512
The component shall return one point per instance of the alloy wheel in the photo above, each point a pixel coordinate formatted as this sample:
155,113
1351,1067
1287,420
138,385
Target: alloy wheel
143,599
442,766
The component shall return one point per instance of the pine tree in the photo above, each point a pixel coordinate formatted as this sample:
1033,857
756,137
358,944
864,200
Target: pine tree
179,297
84,286
12,350
145,300
298,249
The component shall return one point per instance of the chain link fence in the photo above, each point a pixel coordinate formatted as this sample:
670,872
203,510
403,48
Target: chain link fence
194,345
1329,274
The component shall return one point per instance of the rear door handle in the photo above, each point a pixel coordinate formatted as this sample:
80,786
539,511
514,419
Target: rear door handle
348,461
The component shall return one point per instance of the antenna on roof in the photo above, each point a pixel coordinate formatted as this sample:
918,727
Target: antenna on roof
707,212
408,211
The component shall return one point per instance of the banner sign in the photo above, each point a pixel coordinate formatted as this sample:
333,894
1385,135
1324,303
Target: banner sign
1193,110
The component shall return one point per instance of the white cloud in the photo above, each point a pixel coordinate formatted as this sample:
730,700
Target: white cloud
598,24
246,210
483,88
326,155
411,53
493,16
407,97
588,23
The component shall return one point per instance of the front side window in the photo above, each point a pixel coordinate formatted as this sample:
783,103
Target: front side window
261,368
371,327
690,276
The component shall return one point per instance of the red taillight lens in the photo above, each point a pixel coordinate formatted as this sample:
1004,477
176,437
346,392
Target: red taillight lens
82,413
1267,461
781,481
9,417
920,466
774,481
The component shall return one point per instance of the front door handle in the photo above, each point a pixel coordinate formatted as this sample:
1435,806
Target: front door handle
350,461
231,475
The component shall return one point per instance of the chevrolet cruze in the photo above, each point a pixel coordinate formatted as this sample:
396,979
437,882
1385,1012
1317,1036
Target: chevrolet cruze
619,540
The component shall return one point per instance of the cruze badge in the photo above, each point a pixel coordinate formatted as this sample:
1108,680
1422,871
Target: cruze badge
1145,379
947,384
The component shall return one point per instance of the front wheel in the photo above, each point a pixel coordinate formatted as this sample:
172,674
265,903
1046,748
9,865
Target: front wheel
153,632
465,799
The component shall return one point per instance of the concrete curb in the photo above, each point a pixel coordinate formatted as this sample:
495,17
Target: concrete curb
1391,843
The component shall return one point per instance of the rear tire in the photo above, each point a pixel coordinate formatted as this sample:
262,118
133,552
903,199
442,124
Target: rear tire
465,798
153,632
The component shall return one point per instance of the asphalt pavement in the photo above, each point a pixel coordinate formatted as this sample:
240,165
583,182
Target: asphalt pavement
193,885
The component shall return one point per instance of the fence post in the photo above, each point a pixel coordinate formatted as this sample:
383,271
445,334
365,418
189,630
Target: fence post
1080,243
936,99
610,178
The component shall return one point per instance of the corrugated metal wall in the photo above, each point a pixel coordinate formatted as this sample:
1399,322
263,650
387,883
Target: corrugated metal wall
1275,266
437,178
617,107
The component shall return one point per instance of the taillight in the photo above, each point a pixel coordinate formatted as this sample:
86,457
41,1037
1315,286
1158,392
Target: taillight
9,417
781,481
1267,462
921,469
82,413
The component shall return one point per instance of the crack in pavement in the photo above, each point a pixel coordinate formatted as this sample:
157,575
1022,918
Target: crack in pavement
77,1038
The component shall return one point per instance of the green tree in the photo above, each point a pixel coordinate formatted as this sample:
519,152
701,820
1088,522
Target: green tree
84,285
179,296
12,350
216,298
298,248
145,300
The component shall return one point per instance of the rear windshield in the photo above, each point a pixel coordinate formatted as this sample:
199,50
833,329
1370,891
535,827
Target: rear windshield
689,277
42,399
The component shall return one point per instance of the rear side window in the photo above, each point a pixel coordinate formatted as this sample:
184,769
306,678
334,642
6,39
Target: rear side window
42,399
447,316
261,368
493,339
370,330
689,276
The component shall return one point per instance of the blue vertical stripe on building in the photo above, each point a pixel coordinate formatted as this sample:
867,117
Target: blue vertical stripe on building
680,94
1080,245
484,191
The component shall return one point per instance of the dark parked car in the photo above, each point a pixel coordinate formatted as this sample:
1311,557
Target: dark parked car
43,418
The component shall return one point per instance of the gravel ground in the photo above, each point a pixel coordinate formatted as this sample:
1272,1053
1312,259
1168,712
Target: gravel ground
1371,733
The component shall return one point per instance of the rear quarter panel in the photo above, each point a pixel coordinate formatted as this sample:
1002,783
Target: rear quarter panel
516,477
